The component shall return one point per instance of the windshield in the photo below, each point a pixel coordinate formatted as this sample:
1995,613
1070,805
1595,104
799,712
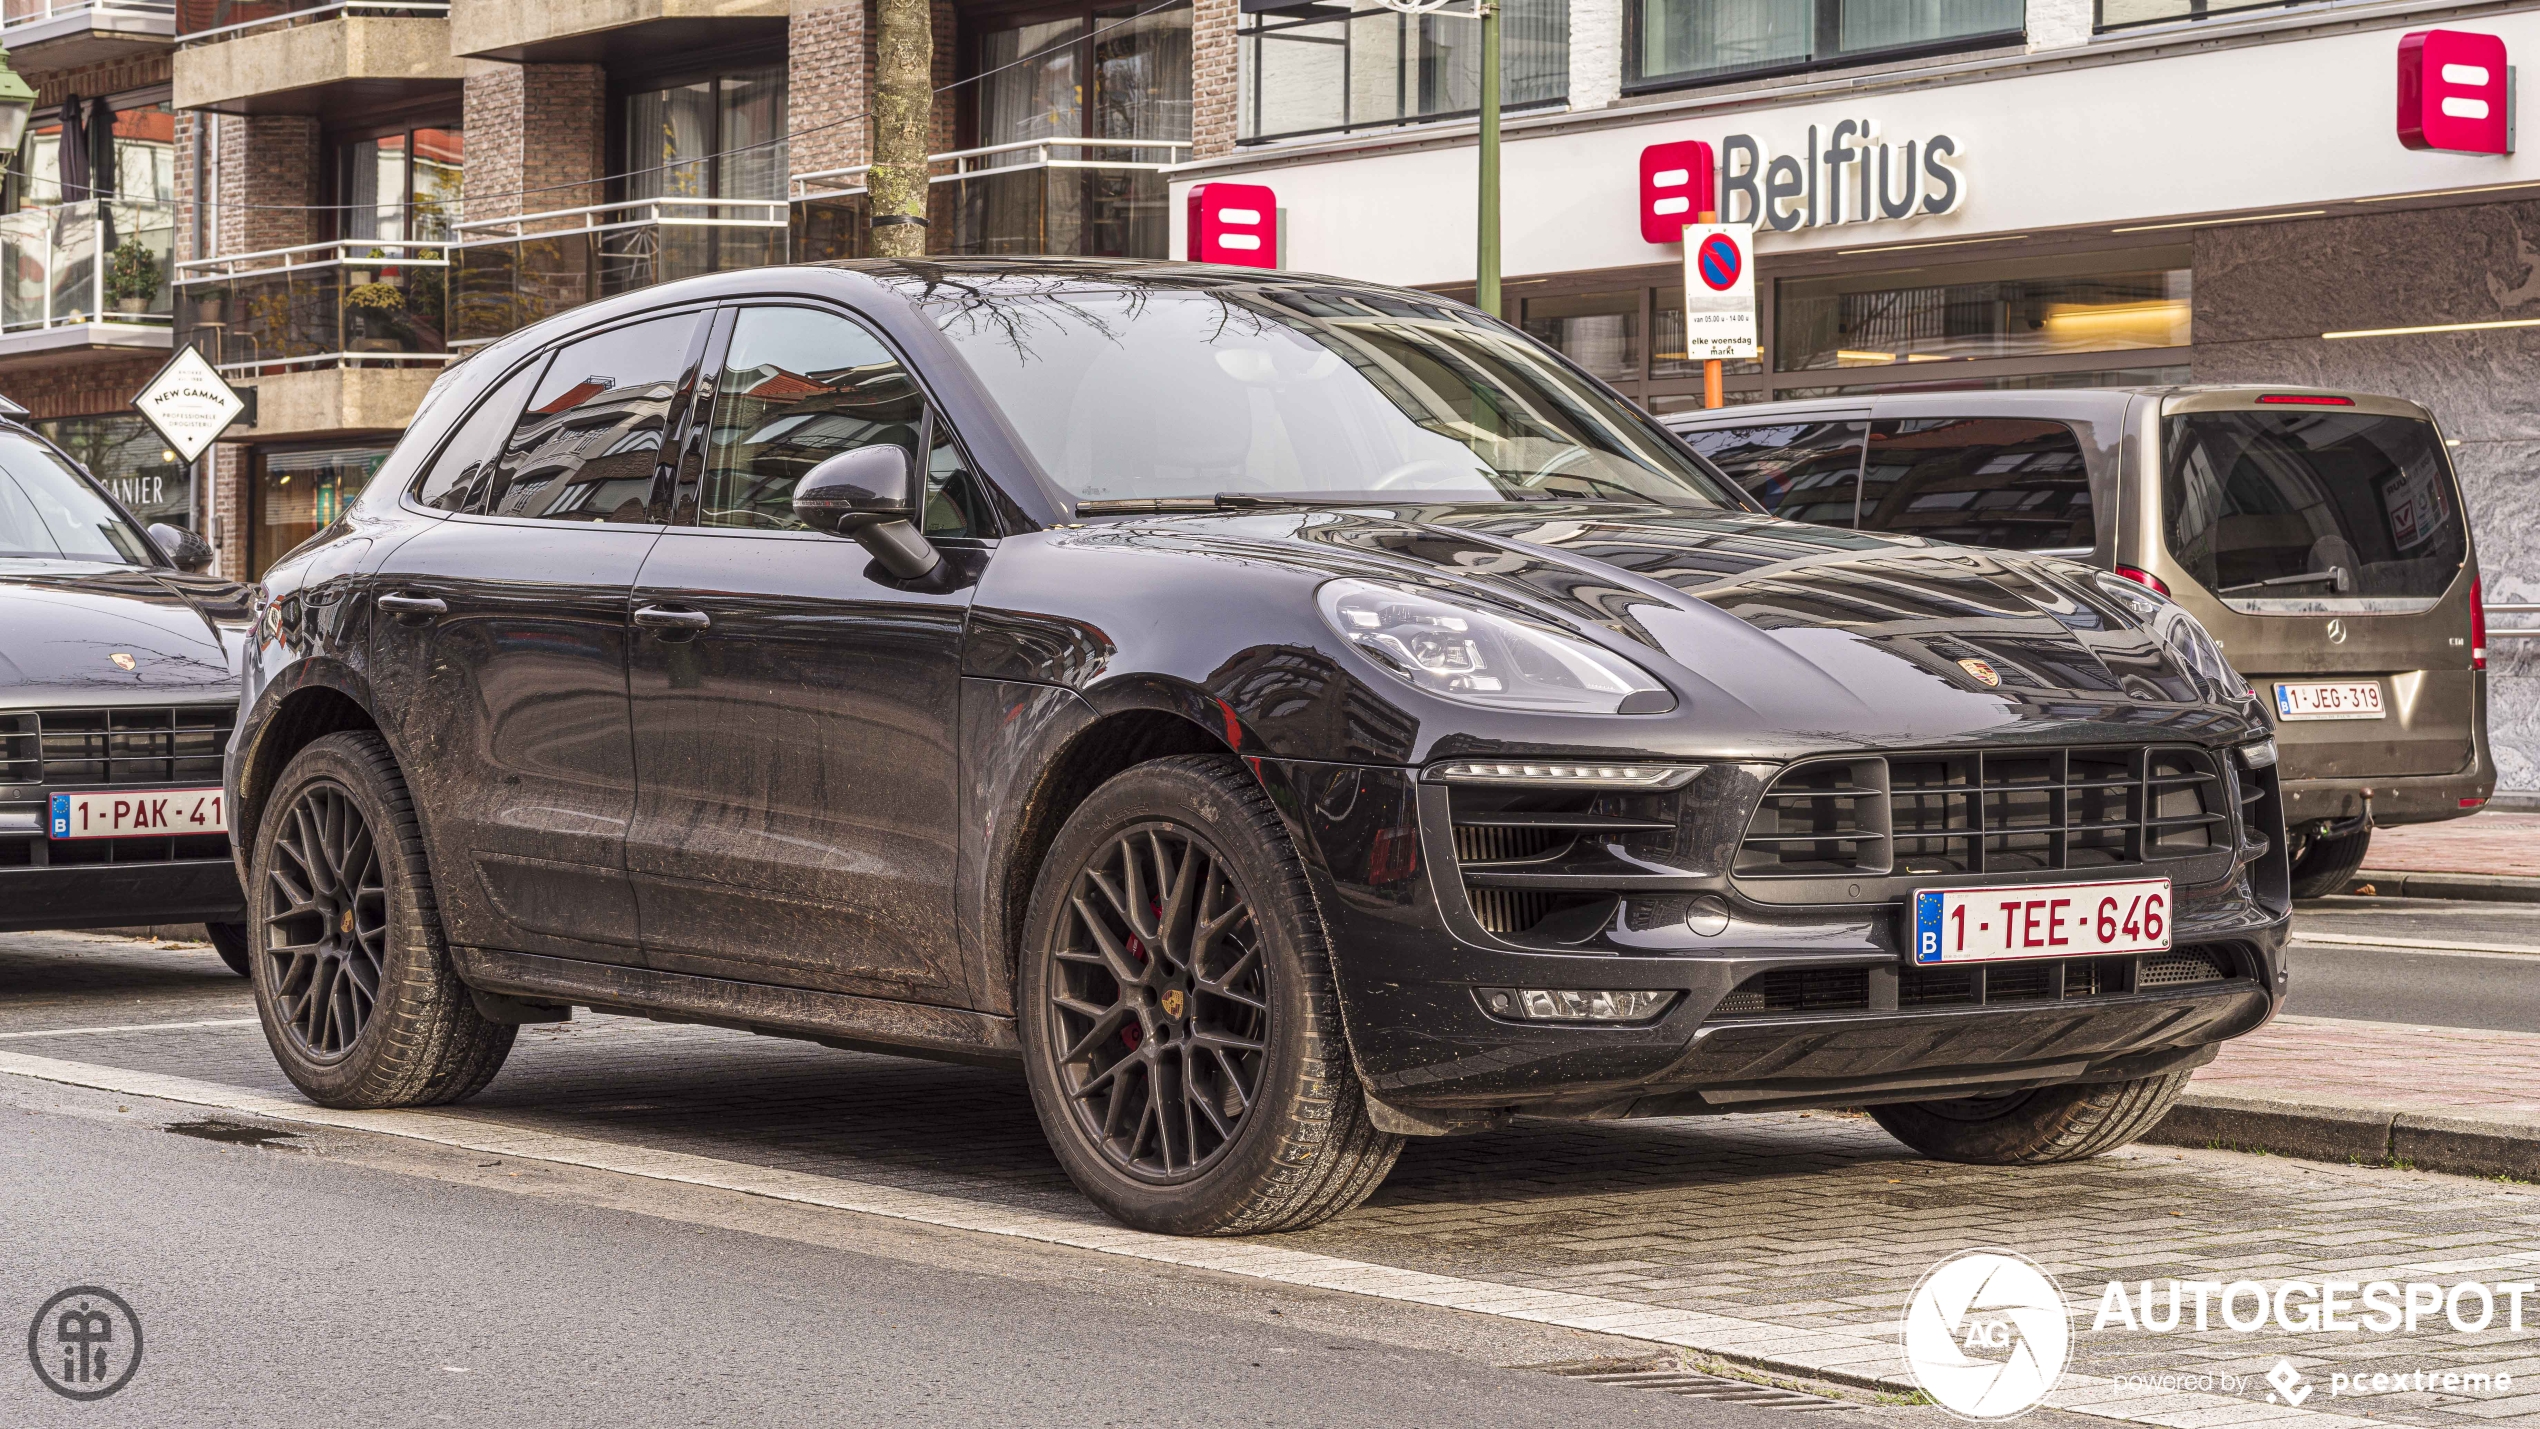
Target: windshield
47,512
2286,512
1141,394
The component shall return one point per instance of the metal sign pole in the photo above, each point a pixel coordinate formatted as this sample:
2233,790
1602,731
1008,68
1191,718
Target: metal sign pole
1714,386
1486,258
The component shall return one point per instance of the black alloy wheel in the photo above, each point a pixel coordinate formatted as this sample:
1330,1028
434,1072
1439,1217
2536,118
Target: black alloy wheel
326,921
1161,1002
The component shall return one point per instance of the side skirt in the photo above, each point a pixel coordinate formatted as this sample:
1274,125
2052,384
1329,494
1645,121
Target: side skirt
836,1019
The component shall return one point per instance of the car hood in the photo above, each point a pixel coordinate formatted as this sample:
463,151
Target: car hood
1829,636
62,623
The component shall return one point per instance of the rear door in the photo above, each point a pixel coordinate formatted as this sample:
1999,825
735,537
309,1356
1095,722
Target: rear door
2322,539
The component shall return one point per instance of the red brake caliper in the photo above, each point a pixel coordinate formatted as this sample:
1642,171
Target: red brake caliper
1132,1033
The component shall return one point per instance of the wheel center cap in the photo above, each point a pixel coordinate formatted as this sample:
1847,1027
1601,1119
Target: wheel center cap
1173,1001
345,923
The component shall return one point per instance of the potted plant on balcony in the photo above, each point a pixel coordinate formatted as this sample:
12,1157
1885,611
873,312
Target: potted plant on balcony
373,311
132,276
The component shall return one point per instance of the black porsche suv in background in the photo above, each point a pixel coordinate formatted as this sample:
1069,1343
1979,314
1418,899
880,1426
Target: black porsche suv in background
1281,715
118,688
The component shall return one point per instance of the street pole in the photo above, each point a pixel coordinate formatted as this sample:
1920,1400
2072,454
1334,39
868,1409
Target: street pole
1714,386
1486,259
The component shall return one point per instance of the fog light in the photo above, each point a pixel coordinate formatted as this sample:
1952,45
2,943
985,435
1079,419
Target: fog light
1566,775
2260,755
1534,1004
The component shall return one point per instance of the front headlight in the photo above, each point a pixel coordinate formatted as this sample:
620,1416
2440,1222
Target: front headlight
1474,656
2183,634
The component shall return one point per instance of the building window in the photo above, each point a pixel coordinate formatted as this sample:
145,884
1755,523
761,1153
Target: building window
298,492
1672,42
2118,14
132,460
2034,308
1321,68
722,137
403,185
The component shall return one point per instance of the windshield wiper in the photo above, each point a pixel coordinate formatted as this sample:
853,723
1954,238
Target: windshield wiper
1222,501
2334,575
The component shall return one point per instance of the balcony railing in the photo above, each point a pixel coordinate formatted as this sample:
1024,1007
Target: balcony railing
1087,197
199,21
14,13
514,271
362,302
100,261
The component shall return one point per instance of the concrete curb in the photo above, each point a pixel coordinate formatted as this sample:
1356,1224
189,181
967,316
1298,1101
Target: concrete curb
2476,887
2351,1130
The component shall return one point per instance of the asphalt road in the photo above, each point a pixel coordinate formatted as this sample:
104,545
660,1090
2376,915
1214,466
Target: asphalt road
2386,983
334,1278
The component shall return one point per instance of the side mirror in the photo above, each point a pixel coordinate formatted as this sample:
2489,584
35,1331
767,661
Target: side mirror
188,551
871,494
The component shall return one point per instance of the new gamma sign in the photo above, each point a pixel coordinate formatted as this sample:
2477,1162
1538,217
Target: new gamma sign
189,403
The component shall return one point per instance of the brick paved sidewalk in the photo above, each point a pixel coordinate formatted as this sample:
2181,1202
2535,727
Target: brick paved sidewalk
2449,1068
2495,843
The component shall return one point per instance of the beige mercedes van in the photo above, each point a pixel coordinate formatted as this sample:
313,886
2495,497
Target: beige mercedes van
2319,535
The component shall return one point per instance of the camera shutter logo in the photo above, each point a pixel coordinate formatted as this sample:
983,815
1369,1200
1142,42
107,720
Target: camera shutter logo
1987,1334
85,1343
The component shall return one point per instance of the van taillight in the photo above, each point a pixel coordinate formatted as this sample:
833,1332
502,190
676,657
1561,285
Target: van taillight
2303,399
2141,577
2478,626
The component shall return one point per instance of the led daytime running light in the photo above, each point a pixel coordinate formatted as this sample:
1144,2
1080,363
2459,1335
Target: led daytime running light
1575,776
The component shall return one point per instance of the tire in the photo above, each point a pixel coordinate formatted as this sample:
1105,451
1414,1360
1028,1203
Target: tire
230,941
2034,1128
353,983
2327,866
1240,1028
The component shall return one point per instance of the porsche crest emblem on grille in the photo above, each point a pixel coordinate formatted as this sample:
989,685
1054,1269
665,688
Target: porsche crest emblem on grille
122,660
1982,673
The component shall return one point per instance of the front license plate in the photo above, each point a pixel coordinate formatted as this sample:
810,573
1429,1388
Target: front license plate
2041,920
139,813
2342,699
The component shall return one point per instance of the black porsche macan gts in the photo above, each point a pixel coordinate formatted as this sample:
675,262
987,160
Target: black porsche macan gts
1282,715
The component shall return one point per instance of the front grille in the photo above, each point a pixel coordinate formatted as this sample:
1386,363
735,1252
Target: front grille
40,852
1512,842
2005,984
159,745
1989,811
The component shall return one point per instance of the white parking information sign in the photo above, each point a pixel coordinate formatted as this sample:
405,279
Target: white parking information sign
1720,292
189,403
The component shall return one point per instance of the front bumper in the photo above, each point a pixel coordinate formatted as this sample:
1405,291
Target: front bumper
1413,968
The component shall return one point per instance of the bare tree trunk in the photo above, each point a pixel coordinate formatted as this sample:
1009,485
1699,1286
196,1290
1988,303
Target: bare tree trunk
903,106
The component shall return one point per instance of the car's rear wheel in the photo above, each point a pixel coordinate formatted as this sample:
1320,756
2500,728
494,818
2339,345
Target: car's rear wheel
1180,1029
2034,1128
353,982
2323,866
230,941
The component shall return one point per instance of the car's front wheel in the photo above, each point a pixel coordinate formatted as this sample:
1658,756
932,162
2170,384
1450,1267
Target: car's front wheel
1180,1028
2034,1128
353,983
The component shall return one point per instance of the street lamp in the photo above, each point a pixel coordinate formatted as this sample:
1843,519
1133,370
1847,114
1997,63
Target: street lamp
1486,230
17,101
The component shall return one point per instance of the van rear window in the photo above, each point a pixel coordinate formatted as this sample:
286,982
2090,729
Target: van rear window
2307,510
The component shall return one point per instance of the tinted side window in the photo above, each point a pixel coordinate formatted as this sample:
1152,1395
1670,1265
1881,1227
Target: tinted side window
1807,471
462,473
586,447
2010,482
800,386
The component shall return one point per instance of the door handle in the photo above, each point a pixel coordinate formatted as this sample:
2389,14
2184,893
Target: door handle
413,607
666,619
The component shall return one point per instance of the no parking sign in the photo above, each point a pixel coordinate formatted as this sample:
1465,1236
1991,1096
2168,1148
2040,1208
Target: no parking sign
1720,291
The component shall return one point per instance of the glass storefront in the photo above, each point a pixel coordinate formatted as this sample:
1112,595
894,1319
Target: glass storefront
2107,319
298,492
132,460
1323,68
